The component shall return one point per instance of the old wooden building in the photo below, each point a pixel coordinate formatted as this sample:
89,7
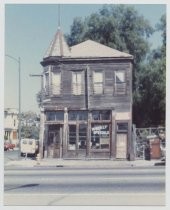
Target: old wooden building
86,101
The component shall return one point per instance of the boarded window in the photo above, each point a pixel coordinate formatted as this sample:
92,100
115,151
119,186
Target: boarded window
98,82
76,83
56,83
120,83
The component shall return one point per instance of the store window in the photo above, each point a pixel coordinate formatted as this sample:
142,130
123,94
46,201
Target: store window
77,137
100,136
55,116
98,82
101,115
77,115
82,136
56,83
72,137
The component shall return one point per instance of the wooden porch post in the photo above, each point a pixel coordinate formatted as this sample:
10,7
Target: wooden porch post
41,134
88,134
46,141
113,136
65,132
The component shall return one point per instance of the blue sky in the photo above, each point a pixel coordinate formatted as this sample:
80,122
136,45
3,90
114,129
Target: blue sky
29,29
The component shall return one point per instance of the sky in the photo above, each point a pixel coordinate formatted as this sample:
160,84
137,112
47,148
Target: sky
29,29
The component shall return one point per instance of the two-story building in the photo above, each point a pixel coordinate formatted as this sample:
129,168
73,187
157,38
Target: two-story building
86,101
11,125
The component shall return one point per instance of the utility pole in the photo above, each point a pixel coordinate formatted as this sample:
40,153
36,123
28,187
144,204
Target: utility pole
19,96
41,134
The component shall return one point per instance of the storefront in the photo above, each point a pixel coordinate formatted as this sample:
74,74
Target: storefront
79,134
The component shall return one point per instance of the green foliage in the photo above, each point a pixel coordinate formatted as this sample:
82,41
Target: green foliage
119,27
150,100
27,130
5,137
30,132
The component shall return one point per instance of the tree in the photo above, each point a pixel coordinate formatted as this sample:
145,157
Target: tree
29,129
152,85
119,27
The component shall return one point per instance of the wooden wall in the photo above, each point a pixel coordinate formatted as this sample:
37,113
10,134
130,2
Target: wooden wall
107,100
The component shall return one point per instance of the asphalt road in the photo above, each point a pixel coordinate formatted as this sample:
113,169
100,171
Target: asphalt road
50,186
62,186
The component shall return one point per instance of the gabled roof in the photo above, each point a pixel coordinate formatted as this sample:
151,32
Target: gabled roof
93,49
86,49
58,46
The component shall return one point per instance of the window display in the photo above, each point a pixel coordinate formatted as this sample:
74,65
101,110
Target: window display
82,137
72,137
100,136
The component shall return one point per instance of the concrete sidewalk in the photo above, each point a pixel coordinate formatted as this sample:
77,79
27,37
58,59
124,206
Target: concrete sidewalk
81,163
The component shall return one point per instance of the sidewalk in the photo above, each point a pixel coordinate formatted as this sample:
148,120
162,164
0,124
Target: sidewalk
81,163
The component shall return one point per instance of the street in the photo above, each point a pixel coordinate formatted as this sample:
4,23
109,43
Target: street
84,186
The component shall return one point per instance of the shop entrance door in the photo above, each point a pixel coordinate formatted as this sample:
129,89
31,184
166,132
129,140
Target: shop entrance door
121,146
55,141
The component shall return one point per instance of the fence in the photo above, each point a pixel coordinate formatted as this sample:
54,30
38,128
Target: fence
140,139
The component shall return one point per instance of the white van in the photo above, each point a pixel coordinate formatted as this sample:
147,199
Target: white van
29,147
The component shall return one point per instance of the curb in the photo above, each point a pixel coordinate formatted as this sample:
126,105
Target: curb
84,163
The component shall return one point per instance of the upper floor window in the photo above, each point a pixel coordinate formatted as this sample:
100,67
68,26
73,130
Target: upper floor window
46,83
76,83
120,82
56,83
98,82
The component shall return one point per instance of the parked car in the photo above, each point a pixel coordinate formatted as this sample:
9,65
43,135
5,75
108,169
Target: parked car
8,146
29,147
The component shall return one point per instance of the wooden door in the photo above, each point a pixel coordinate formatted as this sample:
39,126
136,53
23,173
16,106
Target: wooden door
121,146
55,142
14,135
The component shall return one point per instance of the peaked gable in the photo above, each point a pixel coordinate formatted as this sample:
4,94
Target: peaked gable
91,48
58,46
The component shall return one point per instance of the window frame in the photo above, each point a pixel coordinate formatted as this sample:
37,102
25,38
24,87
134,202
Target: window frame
98,83
122,84
77,86
58,86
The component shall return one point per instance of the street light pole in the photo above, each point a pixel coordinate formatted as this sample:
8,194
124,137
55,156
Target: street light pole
19,96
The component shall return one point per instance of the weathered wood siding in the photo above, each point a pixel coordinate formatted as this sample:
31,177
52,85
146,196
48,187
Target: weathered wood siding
106,100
